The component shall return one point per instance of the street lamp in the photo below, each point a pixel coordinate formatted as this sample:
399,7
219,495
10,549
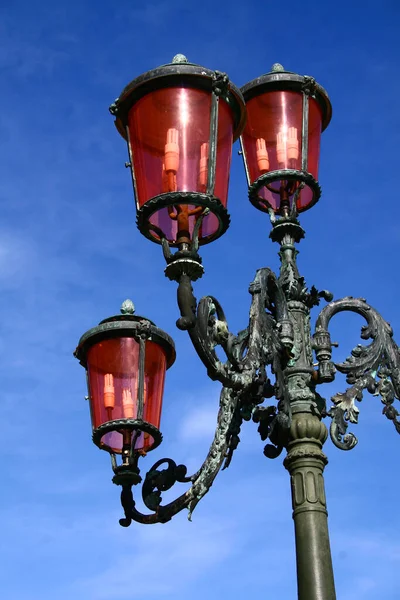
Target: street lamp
126,357
179,137
286,113
180,121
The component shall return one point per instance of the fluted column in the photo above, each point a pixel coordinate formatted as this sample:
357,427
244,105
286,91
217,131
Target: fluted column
305,462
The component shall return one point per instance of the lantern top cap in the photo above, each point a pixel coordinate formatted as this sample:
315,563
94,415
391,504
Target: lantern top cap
126,324
178,73
279,79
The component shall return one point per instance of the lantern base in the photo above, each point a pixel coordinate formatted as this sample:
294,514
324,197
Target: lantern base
283,175
286,226
126,475
130,425
187,266
155,233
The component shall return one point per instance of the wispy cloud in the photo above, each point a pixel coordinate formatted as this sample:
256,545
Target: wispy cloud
162,561
70,253
366,561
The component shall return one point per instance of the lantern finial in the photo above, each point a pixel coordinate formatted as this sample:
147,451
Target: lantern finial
127,307
179,58
276,67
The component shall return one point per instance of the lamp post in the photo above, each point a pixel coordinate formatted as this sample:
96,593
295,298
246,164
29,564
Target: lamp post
180,121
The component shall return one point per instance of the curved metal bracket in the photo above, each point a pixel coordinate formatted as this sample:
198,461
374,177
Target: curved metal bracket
269,334
157,481
375,367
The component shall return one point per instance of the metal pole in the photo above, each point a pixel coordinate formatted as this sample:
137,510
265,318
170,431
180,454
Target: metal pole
305,462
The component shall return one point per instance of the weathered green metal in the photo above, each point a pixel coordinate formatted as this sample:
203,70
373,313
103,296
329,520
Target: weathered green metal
305,462
375,368
288,175
129,325
207,201
156,480
177,73
279,336
280,79
129,425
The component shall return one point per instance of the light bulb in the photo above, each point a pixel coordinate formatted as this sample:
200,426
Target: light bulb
281,147
203,168
287,145
171,151
262,155
128,404
292,144
109,391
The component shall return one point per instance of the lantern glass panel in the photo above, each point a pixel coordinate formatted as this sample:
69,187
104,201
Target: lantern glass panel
272,141
169,132
167,129
155,365
314,137
113,375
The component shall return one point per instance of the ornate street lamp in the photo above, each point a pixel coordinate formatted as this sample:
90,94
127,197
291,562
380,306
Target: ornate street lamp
126,357
286,113
180,121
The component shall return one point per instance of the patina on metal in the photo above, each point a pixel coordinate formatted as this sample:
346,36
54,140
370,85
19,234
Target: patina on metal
290,175
375,368
278,336
177,73
206,201
126,324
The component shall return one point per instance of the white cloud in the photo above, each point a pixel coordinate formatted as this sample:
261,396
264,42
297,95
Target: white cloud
161,560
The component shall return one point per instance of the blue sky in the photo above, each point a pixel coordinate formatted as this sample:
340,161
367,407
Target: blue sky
70,253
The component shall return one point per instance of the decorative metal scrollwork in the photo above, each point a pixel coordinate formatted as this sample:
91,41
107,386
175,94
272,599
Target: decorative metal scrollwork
375,367
267,341
266,337
157,481
278,336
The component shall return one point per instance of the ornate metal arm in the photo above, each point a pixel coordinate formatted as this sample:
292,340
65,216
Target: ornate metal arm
250,350
278,334
268,337
375,367
158,481
268,340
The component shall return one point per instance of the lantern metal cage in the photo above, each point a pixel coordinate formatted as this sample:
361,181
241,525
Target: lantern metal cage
180,121
286,114
122,356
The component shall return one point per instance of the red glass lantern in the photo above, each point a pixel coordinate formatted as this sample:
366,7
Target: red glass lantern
286,114
180,121
126,358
